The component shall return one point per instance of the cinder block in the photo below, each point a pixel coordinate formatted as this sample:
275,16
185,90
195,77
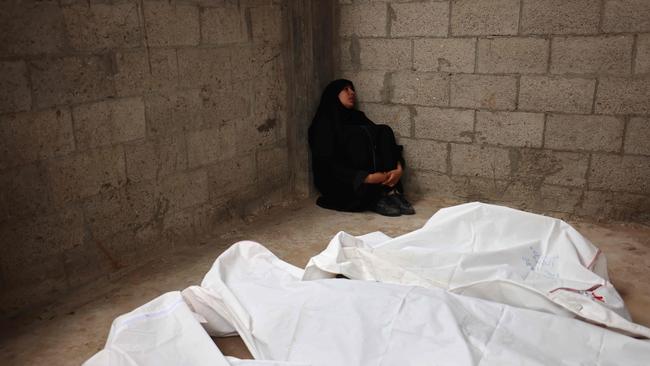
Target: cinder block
349,54
268,104
31,29
102,26
385,54
31,241
30,136
124,247
15,95
269,126
570,169
512,55
623,96
542,93
272,168
591,55
219,105
204,66
428,19
23,192
135,77
266,23
369,85
637,138
560,16
396,116
549,167
519,194
444,124
425,155
84,263
83,175
484,17
71,80
626,16
444,55
364,20
527,195
231,176
427,89
642,61
127,208
242,3
171,24
558,199
433,184
211,145
110,122
250,59
184,190
484,91
222,25
174,113
615,206
579,132
480,189
156,159
517,129
208,218
178,230
255,132
480,161
626,173
255,203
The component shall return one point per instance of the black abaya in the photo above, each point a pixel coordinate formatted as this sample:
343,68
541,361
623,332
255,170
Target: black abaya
346,146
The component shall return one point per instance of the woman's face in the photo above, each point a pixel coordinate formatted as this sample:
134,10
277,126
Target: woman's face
347,96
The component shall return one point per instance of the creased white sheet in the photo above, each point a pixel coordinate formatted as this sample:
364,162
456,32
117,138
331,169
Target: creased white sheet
518,278
164,332
350,322
490,252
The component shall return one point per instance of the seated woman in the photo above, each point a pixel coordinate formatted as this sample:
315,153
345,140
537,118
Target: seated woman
357,164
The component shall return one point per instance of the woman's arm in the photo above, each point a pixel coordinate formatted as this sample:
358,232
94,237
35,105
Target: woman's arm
376,178
393,176
325,164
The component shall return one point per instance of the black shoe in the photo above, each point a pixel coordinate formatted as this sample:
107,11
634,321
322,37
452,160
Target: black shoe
405,207
387,207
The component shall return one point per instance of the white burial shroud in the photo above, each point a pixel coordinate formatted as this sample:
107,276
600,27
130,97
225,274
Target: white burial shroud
489,252
289,321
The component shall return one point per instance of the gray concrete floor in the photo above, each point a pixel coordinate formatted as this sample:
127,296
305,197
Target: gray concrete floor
73,329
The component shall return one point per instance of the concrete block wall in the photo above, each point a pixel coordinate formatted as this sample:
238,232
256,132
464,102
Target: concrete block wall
539,104
130,127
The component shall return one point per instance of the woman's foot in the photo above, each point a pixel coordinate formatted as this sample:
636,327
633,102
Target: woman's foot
387,206
400,202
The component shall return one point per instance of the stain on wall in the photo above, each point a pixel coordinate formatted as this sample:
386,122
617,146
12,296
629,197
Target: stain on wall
538,104
132,127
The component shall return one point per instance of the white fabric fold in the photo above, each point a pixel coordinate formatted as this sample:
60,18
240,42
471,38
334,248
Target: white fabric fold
490,252
477,285
350,322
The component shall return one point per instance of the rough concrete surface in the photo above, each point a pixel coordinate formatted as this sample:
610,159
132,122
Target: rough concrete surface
76,327
506,76
149,122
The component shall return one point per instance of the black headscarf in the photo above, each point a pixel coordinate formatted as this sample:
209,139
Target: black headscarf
331,109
